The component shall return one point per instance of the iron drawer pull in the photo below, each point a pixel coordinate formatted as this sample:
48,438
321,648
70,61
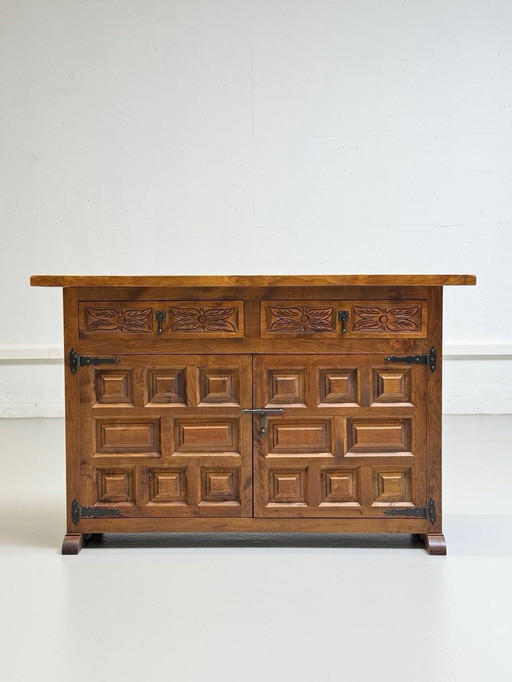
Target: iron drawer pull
160,317
343,317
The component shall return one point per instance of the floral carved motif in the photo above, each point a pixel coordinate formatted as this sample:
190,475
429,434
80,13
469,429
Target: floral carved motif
118,320
384,319
204,320
302,319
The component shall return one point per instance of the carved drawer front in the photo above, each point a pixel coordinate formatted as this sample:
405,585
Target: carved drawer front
284,319
362,319
162,319
112,318
385,318
212,319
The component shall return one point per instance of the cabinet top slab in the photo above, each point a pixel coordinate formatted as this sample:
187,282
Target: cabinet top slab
247,280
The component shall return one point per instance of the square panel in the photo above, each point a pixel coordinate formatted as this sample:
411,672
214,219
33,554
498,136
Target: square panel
121,436
206,435
166,386
391,385
337,386
299,437
219,485
115,485
286,386
374,436
391,485
113,387
218,386
339,485
167,486
287,486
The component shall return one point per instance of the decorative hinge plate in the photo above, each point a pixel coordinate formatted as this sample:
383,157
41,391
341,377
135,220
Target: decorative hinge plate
78,512
429,359
76,361
428,512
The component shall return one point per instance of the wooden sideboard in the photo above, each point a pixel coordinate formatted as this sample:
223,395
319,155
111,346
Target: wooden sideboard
301,404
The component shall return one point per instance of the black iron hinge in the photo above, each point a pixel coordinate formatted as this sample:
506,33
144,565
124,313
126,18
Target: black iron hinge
429,359
78,512
428,512
76,361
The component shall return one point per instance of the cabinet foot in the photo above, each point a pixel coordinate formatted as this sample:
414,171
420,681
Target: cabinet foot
73,543
435,544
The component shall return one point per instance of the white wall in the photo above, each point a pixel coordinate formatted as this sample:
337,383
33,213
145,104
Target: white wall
255,136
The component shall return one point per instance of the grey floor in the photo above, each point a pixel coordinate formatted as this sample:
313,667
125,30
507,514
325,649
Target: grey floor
301,608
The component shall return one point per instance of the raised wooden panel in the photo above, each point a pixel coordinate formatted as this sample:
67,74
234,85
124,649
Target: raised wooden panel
188,319
378,436
166,386
120,436
115,485
204,435
386,319
286,387
287,487
219,485
115,317
299,436
339,486
392,486
391,386
218,386
167,486
337,386
297,318
114,387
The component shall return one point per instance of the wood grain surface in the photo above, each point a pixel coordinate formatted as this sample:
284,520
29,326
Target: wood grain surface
247,280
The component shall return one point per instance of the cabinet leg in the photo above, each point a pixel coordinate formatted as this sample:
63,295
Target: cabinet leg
435,544
73,543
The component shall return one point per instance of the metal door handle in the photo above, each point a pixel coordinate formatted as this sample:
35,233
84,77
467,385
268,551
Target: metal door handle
263,411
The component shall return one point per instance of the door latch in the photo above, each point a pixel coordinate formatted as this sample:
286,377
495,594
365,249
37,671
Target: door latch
263,411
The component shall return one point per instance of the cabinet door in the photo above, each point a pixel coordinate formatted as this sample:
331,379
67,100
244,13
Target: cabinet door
164,435
350,442
154,320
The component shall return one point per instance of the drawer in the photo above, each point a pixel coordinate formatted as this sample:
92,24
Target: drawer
363,319
173,318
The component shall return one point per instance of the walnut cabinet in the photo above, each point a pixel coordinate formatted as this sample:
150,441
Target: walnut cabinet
253,404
